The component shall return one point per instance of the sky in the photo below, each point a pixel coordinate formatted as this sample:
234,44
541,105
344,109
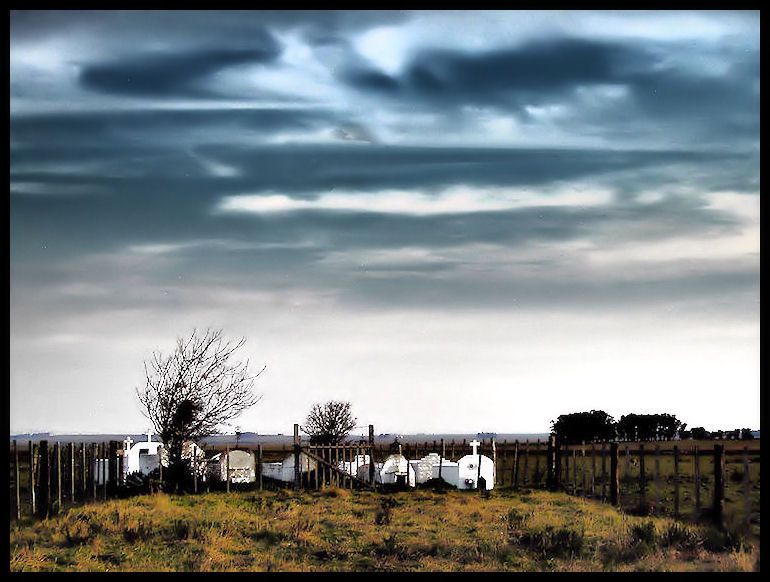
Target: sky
459,222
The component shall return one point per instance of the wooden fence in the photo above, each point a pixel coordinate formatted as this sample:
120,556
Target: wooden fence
680,479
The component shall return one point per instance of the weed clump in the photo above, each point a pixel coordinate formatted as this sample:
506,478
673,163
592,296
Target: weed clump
681,537
383,515
554,542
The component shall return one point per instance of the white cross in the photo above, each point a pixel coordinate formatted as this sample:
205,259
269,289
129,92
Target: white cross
149,436
127,443
474,443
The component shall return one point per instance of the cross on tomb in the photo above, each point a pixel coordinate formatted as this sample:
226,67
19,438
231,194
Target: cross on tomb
149,436
127,443
474,443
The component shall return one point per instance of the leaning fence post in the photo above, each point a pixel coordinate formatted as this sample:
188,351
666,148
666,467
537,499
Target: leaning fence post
44,484
614,481
719,485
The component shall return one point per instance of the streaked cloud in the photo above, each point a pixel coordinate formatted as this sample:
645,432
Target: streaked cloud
389,205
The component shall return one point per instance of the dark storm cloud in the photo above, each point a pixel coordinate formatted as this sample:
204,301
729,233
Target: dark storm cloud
172,75
502,75
149,129
665,99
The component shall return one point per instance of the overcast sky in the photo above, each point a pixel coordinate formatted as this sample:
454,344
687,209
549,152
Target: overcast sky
457,221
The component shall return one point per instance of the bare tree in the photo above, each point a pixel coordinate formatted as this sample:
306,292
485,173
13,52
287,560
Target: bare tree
195,389
329,423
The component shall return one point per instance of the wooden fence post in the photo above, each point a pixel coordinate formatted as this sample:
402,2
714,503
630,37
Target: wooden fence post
92,470
112,464
259,464
83,474
105,463
614,480
550,465
657,478
371,455
696,462
526,463
494,462
538,478
574,471
441,460
58,476
515,469
593,471
297,468
676,481
32,489
583,467
746,485
604,472
72,472
44,485
565,481
16,479
642,481
227,467
719,485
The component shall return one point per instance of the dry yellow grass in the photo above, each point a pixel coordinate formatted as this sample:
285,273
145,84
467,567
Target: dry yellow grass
361,531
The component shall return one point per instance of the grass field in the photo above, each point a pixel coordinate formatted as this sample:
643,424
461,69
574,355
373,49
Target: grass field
361,531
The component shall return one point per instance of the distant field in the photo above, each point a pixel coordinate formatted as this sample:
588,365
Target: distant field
360,531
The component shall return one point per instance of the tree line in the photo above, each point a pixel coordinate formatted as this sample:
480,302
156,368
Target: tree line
598,426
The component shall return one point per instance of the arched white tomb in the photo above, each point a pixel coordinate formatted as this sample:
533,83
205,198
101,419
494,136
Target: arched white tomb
474,466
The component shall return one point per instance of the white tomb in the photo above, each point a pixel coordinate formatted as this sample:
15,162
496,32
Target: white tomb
449,472
240,463
284,471
351,467
397,468
363,472
143,456
473,467
423,468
